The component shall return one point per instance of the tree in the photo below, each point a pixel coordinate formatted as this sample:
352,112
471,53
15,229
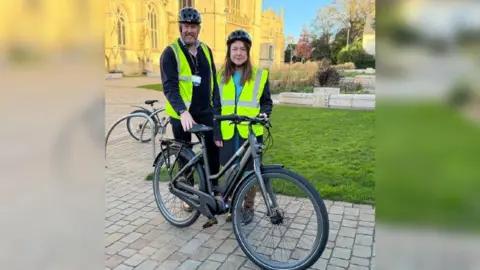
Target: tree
290,53
290,49
321,48
325,22
352,14
338,43
304,50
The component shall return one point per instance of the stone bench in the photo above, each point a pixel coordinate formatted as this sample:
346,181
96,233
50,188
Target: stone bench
296,98
351,101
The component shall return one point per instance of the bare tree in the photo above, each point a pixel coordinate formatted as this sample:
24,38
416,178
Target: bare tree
352,15
325,22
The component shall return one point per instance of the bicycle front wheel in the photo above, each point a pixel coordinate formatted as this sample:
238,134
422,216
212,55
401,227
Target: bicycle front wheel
295,236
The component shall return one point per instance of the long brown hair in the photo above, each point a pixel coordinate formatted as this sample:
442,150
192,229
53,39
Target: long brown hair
229,67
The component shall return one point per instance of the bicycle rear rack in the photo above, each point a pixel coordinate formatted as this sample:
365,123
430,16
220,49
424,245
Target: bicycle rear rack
130,116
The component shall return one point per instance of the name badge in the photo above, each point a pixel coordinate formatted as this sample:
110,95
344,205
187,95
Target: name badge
196,80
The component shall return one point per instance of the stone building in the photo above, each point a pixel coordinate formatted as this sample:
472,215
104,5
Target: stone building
137,31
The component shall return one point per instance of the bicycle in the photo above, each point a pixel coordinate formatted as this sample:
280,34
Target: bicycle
204,201
160,123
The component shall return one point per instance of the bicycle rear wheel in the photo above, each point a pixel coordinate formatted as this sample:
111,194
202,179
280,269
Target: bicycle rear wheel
301,221
134,128
162,178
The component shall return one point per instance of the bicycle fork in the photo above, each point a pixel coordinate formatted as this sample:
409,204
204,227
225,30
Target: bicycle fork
266,188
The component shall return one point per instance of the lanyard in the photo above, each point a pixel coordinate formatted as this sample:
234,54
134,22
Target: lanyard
195,62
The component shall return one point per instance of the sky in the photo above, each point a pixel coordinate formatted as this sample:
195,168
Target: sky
296,13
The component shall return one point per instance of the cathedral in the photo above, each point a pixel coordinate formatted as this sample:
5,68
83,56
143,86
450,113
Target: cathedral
137,31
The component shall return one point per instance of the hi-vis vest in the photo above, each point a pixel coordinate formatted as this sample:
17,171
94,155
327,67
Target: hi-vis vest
248,103
185,83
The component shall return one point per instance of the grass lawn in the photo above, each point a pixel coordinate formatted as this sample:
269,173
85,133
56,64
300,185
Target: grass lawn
156,87
334,149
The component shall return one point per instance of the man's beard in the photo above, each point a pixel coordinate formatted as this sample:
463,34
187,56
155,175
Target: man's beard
190,35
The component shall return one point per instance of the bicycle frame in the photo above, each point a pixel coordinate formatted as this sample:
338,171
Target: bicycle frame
250,149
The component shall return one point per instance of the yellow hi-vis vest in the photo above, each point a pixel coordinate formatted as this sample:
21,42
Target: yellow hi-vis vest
248,103
185,83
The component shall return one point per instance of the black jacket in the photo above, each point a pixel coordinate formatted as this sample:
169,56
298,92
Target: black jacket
266,105
201,103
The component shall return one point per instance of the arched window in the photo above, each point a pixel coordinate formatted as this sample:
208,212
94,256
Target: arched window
186,3
270,52
121,33
153,25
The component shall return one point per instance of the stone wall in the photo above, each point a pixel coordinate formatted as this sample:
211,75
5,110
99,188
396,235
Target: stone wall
325,97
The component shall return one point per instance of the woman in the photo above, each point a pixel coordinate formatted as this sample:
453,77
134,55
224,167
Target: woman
244,90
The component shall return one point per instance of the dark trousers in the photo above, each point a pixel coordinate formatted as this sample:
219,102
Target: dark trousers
212,149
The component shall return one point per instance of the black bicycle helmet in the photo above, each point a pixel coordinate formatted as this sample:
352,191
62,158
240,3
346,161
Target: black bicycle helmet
189,15
239,35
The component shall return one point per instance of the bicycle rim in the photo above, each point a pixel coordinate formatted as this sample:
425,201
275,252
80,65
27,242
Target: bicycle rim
266,252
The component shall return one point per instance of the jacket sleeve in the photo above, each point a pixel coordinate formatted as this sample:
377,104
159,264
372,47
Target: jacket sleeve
169,74
266,102
217,105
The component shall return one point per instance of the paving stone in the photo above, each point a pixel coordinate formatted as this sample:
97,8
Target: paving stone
364,240
344,242
168,265
178,257
114,261
342,253
233,262
189,265
338,262
359,261
127,253
191,246
362,251
135,260
218,257
147,265
123,267
201,254
209,265
227,247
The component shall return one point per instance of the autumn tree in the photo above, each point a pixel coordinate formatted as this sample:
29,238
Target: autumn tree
304,49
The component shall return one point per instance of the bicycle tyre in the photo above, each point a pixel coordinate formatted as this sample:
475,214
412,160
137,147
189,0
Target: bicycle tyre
146,135
187,154
317,201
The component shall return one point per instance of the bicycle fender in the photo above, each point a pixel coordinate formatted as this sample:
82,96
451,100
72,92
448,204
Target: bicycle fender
143,108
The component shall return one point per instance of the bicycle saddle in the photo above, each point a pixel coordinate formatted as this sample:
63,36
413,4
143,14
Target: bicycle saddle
150,102
199,128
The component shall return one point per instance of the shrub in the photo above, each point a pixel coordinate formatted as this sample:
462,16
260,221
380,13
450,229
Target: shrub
344,66
356,54
328,77
350,86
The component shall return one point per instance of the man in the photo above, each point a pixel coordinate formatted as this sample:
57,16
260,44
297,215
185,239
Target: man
188,78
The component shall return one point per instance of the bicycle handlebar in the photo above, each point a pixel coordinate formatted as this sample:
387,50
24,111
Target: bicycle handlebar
239,118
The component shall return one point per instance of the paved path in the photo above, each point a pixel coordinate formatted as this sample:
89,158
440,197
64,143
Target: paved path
138,237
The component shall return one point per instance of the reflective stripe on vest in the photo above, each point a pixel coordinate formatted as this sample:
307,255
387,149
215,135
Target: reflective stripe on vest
248,104
185,84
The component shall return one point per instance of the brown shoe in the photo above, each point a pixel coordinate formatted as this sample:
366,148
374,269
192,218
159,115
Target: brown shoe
187,208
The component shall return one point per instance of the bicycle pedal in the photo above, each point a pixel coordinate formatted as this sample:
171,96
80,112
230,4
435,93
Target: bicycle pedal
210,223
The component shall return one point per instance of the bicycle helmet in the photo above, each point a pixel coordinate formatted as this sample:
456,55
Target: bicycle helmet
239,35
189,15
